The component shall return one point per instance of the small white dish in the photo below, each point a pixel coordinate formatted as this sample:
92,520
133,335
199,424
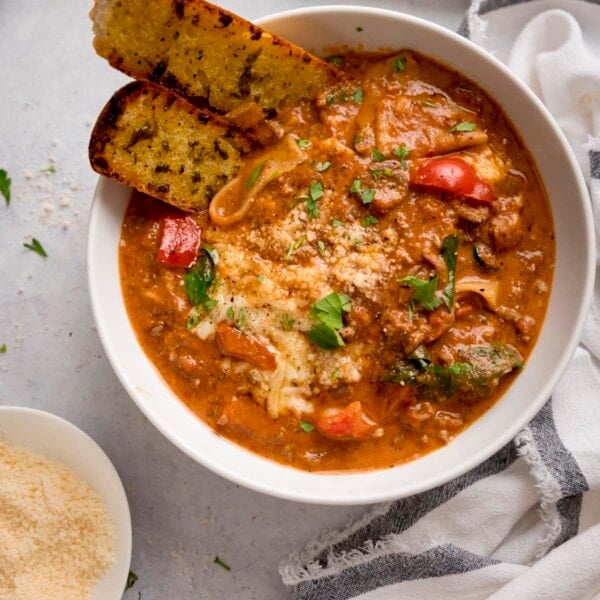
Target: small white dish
58,440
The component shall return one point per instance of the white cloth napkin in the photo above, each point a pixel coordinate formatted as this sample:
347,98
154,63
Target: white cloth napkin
526,523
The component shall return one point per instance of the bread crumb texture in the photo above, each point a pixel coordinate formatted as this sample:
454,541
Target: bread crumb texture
56,536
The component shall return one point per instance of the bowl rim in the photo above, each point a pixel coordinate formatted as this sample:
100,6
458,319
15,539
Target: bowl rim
113,495
338,494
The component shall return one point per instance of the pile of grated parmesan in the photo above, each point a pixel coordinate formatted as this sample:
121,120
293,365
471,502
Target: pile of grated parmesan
56,536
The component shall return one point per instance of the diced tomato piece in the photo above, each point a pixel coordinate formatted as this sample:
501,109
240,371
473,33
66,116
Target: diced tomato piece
349,423
232,342
451,174
179,242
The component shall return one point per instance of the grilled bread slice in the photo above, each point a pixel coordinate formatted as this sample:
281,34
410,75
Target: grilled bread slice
150,139
205,54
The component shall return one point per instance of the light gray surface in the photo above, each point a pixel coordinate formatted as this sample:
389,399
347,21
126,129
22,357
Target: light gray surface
52,88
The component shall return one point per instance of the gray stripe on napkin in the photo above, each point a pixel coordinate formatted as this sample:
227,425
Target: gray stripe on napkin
595,162
404,513
389,569
561,464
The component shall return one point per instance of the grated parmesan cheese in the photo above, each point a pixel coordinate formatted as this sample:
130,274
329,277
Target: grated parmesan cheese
56,536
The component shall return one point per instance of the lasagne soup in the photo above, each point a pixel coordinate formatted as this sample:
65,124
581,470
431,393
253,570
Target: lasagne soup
366,287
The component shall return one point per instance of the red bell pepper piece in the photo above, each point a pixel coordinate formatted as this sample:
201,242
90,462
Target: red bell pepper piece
179,242
454,175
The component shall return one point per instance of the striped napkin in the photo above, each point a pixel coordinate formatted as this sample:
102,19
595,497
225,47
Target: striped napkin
526,523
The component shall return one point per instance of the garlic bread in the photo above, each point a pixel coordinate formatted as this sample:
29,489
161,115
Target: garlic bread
206,54
150,139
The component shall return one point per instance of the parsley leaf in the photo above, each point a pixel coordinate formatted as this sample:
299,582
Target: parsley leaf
315,192
3,349
464,126
303,144
358,95
131,579
255,174
428,103
337,223
329,309
399,64
322,167
5,185
221,564
197,281
402,153
450,254
306,426
377,155
294,247
325,337
424,291
321,248
230,313
369,220
287,322
366,196
49,169
36,247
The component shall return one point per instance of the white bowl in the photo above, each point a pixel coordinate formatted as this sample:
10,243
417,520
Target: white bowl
59,440
316,29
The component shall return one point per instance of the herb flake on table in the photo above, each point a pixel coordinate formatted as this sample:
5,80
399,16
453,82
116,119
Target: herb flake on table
35,246
131,579
3,349
221,564
5,185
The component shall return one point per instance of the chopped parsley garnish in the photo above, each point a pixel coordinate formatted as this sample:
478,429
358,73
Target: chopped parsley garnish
35,246
377,155
303,143
5,185
428,103
131,579
336,61
464,126
424,291
306,426
261,278
239,319
287,322
325,337
197,282
49,169
336,375
337,98
321,248
337,223
192,320
357,140
369,220
450,254
388,172
3,349
294,247
230,313
329,311
357,242
376,173
358,95
221,564
315,192
402,153
399,64
366,195
255,174
322,167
